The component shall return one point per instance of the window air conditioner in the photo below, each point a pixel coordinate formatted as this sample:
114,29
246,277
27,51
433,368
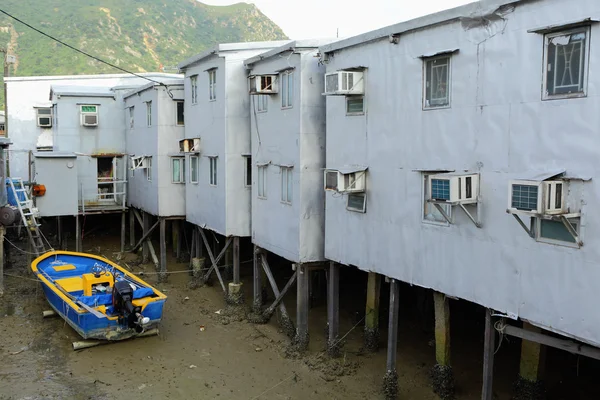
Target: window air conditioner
454,188
263,84
189,145
353,182
537,197
344,83
89,116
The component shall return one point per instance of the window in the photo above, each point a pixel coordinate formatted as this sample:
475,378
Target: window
555,232
437,82
149,169
431,214
178,169
286,185
194,86
194,169
261,103
180,118
262,181
212,83
213,171
287,89
248,173
131,114
355,105
44,118
565,66
357,202
149,113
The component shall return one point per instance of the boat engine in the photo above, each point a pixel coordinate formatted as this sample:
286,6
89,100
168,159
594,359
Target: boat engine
122,302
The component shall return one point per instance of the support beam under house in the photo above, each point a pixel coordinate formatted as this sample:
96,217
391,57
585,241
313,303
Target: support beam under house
442,374
333,310
372,312
390,380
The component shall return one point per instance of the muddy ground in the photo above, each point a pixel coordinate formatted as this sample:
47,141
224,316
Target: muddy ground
229,359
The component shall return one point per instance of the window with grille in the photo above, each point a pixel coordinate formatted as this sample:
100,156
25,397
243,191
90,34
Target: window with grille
287,89
437,82
194,169
212,84
355,105
213,171
357,202
149,113
149,168
131,115
194,88
565,67
286,185
261,181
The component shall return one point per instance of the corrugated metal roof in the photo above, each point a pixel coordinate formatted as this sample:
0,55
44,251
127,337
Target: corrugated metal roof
294,45
82,91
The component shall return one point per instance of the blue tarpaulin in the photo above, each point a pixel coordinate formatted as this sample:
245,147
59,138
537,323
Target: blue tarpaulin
12,199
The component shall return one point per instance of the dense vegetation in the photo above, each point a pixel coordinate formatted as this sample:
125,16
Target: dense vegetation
139,35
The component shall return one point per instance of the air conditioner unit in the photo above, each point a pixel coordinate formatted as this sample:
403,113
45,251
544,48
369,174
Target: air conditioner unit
454,188
263,84
345,83
189,145
44,117
139,162
89,115
354,182
537,197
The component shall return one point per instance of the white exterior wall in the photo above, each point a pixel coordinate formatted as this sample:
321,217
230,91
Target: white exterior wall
25,93
159,196
497,125
223,126
290,137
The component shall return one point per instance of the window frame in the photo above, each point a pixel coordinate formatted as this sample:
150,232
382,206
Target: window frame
541,239
261,186
181,160
194,88
194,159
585,67
131,117
425,177
426,62
213,171
349,208
177,103
149,113
287,175
247,171
262,100
360,97
286,78
212,84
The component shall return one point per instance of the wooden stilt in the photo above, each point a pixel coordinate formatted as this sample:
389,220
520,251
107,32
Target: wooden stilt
123,231
214,260
78,243
178,244
372,312
390,380
333,309
199,244
163,250
131,228
2,231
257,281
302,306
236,260
488,357
146,228
174,236
285,320
442,329
59,232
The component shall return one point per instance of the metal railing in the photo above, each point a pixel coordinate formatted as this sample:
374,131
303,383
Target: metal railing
110,192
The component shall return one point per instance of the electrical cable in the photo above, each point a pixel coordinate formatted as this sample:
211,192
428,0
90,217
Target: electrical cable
84,53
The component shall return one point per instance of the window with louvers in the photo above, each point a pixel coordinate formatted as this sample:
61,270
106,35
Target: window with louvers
347,80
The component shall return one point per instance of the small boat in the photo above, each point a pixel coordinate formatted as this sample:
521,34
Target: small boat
98,298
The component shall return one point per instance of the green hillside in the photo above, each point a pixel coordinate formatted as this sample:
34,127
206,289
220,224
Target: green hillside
138,35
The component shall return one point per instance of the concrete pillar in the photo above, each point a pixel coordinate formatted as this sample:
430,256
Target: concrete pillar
372,312
390,380
236,295
442,375
333,310
489,341
257,286
131,228
162,276
146,228
302,305
531,370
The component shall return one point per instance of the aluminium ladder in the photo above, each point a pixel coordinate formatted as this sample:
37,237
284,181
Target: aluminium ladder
28,215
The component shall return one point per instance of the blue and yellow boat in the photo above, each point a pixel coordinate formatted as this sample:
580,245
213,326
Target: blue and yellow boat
98,298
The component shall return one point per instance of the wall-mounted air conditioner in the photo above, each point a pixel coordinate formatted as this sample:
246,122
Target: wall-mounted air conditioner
454,188
44,117
263,84
89,115
537,197
351,182
139,162
189,145
345,83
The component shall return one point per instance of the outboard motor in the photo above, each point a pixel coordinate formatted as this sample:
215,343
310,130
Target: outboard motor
122,302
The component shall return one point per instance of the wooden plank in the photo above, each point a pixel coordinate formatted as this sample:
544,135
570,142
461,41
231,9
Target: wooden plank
442,328
562,344
273,283
392,347
214,260
488,357
280,296
145,237
257,279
